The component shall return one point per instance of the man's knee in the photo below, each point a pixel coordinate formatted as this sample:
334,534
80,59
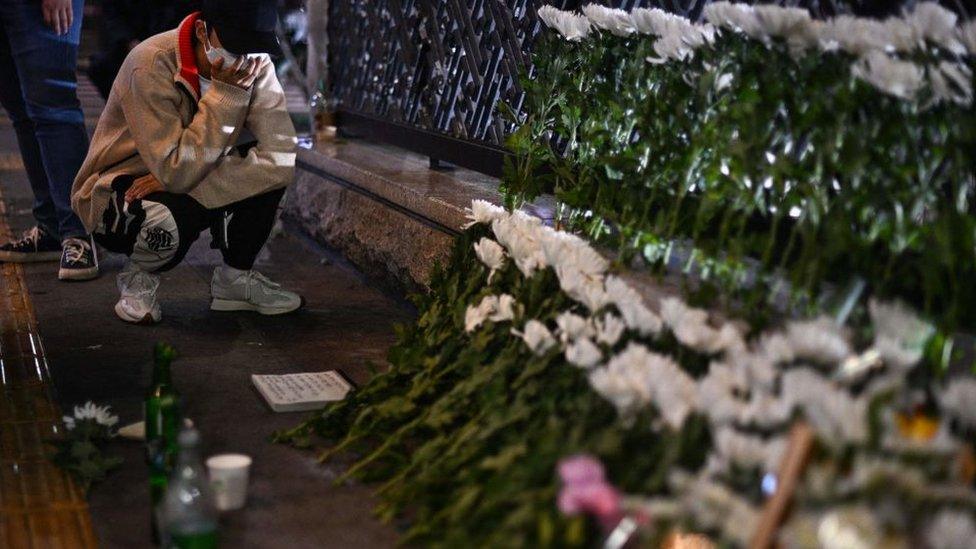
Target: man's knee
158,241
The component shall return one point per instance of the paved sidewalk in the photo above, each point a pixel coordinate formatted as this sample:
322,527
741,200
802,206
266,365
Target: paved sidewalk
92,355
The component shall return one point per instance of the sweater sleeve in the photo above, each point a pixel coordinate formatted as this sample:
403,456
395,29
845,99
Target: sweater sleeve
180,157
268,165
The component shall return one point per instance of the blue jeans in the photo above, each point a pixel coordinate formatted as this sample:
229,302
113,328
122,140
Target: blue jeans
38,91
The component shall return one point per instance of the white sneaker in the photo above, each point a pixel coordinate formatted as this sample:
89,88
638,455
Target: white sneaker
138,302
234,290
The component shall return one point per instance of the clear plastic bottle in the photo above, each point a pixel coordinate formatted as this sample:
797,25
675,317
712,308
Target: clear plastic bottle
188,509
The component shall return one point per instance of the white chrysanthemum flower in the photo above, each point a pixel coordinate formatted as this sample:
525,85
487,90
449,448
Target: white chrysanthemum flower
580,288
476,315
536,336
793,25
716,394
855,35
951,529
833,413
491,254
504,309
820,340
571,327
571,26
616,21
899,334
100,414
496,308
519,234
609,329
901,36
749,451
737,17
967,35
958,401
690,327
583,353
69,422
631,306
671,48
936,24
765,411
485,212
636,377
567,251
952,83
652,21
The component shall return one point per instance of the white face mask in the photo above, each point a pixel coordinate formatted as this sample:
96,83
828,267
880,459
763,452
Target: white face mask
213,54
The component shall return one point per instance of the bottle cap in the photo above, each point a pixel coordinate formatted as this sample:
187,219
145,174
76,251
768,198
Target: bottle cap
188,437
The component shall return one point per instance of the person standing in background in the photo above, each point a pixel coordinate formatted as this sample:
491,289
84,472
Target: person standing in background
38,89
125,23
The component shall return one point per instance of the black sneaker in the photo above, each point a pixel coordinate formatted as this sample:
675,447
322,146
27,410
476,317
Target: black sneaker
36,244
78,262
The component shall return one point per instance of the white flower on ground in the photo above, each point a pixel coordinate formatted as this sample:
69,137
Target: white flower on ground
749,451
492,307
571,327
491,254
833,413
564,250
637,377
519,234
585,290
572,26
737,17
536,337
855,35
690,327
951,529
899,335
616,21
820,340
609,329
936,24
794,25
967,35
631,306
504,310
583,353
485,212
958,401
94,412
475,315
901,79
952,82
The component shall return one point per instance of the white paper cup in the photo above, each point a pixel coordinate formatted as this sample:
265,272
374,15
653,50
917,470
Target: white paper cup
228,478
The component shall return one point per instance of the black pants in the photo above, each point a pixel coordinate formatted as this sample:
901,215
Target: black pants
143,228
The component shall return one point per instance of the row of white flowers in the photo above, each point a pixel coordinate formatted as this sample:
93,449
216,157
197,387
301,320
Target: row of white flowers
807,365
873,41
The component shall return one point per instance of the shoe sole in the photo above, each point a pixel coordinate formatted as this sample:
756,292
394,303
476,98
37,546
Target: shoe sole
217,304
144,321
77,274
29,257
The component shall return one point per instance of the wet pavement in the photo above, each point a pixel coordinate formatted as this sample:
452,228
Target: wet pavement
347,325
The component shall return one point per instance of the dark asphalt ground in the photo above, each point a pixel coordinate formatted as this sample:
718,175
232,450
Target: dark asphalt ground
94,356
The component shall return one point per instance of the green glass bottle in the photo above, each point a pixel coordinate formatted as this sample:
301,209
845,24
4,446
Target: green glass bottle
162,417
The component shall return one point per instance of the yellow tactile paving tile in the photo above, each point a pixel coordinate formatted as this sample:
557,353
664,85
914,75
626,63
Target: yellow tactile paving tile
40,506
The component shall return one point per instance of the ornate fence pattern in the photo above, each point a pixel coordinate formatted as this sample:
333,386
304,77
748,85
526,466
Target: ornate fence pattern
424,74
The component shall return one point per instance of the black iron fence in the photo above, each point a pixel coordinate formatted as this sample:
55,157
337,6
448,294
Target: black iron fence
427,75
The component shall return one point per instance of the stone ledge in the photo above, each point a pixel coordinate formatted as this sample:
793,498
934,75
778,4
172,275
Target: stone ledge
384,208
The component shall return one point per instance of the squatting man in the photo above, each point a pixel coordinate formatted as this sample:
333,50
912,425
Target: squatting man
194,136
